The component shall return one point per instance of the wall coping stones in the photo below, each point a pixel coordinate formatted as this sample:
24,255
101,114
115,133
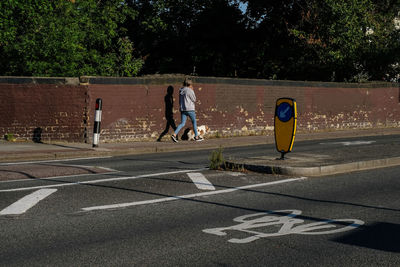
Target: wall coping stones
178,78
39,80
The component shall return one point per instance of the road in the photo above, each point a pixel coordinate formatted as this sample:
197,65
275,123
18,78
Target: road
170,210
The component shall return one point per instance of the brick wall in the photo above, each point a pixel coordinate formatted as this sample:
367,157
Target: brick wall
42,109
134,108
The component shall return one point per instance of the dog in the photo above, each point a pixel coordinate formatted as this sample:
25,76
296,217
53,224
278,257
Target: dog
188,134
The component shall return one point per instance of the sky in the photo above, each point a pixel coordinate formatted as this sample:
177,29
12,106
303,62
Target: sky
243,7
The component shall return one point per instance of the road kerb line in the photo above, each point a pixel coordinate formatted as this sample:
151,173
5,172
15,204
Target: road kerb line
189,196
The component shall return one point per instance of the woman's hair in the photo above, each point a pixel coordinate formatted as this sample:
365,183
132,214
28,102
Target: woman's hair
187,82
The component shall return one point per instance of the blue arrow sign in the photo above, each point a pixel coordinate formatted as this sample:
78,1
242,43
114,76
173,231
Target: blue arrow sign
284,112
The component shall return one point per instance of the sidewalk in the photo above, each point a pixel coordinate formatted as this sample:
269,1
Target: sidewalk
298,164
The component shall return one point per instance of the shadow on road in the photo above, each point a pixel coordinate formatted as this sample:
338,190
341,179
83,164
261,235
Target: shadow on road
381,236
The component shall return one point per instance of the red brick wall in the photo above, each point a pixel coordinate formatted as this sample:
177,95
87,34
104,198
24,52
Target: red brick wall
349,108
133,108
54,110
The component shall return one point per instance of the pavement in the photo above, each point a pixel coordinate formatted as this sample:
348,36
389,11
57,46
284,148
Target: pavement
318,162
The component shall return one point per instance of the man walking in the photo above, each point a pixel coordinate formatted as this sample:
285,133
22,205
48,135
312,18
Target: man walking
187,99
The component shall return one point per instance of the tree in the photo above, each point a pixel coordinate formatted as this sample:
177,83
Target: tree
327,40
202,36
347,36
218,40
383,57
66,38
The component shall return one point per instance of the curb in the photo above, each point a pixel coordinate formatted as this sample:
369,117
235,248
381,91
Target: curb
315,171
106,152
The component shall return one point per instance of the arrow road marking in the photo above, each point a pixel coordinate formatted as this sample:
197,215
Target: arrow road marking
27,202
200,181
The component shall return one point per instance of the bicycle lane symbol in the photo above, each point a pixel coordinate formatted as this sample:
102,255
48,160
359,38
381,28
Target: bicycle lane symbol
290,225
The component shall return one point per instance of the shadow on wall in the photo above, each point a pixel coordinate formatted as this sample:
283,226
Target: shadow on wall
169,113
37,135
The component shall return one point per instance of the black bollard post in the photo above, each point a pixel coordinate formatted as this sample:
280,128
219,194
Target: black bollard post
97,121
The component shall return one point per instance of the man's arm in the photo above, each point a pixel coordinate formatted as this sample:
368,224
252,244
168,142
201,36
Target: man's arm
192,95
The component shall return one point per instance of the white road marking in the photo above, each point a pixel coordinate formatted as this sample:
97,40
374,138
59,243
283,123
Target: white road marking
350,143
59,177
99,181
110,171
27,202
262,225
236,174
50,161
146,202
200,181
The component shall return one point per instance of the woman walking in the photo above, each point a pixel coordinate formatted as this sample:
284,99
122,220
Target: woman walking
187,99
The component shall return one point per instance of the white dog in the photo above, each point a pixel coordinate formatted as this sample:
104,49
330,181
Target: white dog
202,130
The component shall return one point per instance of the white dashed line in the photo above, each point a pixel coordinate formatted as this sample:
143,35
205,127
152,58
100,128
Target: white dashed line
236,174
350,143
27,202
200,181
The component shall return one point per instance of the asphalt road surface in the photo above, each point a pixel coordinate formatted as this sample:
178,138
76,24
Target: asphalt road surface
170,210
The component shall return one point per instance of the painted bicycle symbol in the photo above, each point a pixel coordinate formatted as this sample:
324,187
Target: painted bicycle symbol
262,225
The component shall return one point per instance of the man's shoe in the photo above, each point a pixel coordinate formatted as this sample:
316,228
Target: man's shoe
198,139
173,137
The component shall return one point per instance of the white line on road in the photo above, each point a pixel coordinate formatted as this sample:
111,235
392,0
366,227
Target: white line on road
350,143
236,174
50,161
109,171
138,203
59,177
27,202
99,181
200,181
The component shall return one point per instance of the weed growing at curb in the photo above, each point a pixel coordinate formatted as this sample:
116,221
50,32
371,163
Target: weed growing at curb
217,159
9,137
217,162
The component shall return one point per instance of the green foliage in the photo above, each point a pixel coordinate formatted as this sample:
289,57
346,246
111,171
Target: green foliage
60,38
327,40
337,31
9,137
216,159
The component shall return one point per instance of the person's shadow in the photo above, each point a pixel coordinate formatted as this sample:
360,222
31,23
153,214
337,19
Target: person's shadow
169,114
37,135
